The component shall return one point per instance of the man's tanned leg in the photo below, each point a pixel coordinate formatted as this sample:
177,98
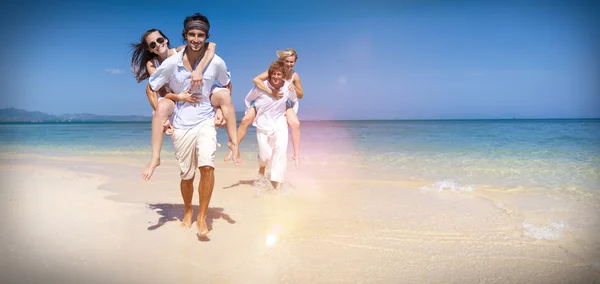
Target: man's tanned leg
187,192
205,189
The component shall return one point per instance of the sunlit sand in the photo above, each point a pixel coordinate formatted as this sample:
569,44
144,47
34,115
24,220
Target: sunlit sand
93,220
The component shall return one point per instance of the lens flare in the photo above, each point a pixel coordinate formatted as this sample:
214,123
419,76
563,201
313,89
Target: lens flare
271,239
273,235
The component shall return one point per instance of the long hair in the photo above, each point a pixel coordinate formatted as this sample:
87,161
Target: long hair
141,55
282,54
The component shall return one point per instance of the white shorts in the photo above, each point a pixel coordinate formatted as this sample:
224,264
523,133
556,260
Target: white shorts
216,88
195,147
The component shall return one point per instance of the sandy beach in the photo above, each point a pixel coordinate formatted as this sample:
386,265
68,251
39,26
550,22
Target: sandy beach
94,220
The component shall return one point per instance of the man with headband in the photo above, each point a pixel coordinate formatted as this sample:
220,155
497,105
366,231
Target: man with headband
195,136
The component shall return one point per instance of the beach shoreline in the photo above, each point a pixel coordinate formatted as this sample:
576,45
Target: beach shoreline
81,219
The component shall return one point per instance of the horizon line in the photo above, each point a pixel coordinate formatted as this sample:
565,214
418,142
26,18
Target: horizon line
306,119
309,120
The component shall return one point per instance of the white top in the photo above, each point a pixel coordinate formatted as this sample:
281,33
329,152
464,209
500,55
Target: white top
293,96
157,64
173,72
270,112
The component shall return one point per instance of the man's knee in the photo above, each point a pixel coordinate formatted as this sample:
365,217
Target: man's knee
187,180
206,170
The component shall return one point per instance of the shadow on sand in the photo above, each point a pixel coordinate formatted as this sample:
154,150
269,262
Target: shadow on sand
246,182
172,212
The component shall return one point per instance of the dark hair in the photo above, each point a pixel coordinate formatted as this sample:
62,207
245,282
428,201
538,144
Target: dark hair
141,55
276,65
195,17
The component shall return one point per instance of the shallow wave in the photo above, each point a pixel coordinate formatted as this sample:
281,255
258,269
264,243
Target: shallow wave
448,185
552,231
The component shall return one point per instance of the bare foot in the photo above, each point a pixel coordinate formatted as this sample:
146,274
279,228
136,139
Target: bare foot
202,227
187,218
228,156
296,160
235,152
149,169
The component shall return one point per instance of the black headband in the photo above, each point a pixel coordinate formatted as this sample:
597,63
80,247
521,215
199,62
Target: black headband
195,25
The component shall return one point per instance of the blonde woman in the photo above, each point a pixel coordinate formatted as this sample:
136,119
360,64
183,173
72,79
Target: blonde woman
289,57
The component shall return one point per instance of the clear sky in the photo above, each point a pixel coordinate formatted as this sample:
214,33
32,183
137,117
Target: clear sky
358,59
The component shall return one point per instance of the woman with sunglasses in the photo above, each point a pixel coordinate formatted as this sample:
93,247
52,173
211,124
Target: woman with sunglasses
148,54
289,57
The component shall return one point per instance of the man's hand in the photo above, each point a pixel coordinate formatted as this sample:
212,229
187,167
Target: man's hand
190,98
167,128
196,83
219,118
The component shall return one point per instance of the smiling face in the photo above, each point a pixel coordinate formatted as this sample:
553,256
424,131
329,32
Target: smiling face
195,39
276,78
289,62
276,72
157,43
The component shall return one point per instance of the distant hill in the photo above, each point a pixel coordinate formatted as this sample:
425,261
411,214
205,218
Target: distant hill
24,116
19,115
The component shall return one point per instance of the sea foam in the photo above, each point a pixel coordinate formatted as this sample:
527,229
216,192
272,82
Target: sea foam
448,185
552,231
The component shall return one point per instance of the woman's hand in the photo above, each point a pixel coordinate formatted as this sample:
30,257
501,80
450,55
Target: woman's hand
190,98
196,83
277,94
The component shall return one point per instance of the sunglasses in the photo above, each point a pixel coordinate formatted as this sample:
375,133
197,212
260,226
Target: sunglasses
159,40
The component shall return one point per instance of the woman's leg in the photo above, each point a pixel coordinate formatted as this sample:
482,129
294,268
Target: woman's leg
294,123
243,129
222,99
161,115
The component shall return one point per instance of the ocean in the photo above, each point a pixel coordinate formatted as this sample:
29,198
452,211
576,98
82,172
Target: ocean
544,154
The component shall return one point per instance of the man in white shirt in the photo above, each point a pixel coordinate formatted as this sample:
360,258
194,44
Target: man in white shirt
271,124
195,136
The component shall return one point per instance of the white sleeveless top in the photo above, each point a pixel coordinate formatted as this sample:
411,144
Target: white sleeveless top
292,96
291,80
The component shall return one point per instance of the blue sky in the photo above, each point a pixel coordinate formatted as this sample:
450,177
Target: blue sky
358,59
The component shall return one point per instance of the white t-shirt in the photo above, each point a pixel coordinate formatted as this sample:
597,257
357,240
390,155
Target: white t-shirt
173,73
270,112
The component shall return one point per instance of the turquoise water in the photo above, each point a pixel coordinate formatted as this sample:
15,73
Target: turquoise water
546,154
